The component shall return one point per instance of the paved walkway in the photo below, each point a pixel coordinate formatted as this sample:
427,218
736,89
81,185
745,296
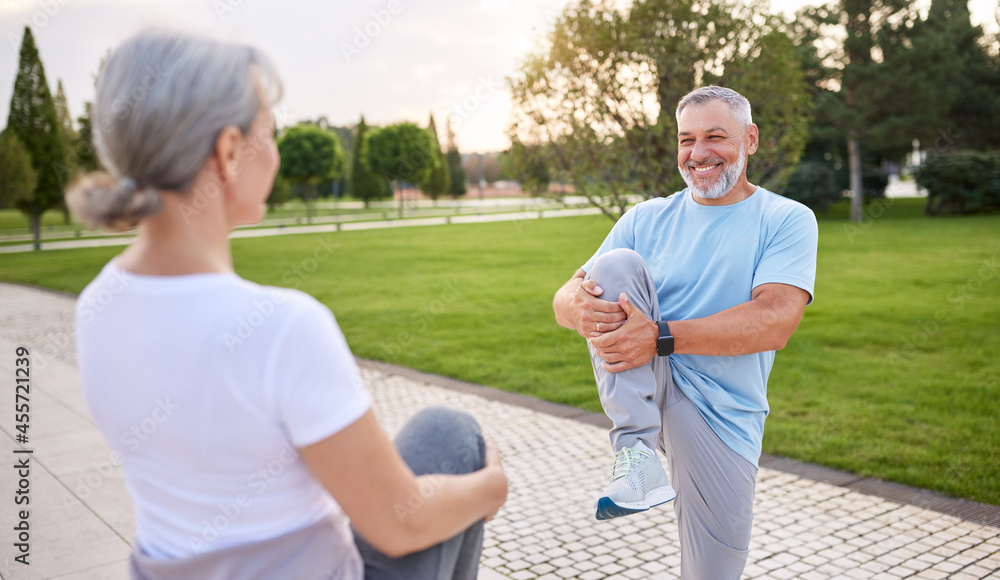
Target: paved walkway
81,517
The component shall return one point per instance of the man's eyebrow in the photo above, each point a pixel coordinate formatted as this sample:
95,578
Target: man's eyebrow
712,130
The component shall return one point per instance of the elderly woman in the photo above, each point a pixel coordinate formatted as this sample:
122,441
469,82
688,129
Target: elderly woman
245,432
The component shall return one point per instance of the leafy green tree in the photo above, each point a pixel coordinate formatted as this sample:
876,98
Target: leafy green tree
597,102
33,119
526,165
17,178
402,153
438,179
454,160
310,156
827,142
871,89
281,191
366,184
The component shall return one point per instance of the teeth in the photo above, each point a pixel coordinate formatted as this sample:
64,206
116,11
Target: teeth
704,169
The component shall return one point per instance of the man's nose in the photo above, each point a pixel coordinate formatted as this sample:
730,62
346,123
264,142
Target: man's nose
700,152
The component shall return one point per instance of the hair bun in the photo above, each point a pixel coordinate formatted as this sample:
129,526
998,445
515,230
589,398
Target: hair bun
126,186
100,200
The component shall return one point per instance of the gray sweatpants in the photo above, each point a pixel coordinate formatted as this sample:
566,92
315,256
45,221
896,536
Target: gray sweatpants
714,484
434,440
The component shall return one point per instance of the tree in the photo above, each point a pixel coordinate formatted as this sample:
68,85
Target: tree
34,121
402,153
346,136
814,32
86,153
870,86
70,138
948,53
527,166
17,178
598,101
454,160
438,179
281,191
366,184
310,156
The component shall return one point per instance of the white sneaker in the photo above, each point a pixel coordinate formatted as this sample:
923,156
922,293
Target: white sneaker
638,483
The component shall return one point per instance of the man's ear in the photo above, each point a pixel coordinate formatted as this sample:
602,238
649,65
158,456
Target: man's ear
753,138
225,157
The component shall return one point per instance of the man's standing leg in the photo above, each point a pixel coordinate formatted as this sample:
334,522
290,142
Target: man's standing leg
715,489
629,397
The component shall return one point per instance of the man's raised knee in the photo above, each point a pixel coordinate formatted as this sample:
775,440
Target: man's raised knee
615,265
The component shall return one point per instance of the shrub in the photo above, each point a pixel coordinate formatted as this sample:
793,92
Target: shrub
960,182
814,184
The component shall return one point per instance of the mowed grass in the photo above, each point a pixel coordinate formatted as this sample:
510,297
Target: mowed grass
12,219
893,373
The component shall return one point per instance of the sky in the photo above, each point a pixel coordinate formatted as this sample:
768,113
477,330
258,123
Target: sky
389,60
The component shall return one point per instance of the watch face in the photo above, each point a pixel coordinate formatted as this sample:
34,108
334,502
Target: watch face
665,345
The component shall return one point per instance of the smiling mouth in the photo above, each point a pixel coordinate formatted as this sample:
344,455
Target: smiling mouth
704,169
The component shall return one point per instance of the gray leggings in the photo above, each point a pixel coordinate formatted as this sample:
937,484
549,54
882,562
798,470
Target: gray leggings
435,440
714,484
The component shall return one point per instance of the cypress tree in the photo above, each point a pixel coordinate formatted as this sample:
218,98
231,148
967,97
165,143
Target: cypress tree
34,120
70,138
366,184
454,159
438,180
86,153
17,178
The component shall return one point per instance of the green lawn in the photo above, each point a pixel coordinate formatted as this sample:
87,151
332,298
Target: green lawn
893,372
12,219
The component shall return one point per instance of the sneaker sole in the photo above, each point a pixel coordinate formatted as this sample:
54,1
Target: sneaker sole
607,509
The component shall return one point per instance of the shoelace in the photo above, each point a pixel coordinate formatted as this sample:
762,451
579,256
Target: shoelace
626,460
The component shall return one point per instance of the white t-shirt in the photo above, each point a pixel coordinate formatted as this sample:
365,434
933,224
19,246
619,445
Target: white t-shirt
205,385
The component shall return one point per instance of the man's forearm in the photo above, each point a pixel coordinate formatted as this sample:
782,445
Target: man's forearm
763,324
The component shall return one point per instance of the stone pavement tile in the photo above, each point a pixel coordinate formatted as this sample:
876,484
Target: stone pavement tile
109,572
73,452
103,492
487,574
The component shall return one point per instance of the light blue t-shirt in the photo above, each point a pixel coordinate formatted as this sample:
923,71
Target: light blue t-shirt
705,259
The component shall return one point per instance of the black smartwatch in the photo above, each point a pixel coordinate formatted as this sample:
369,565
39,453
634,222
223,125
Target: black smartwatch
665,342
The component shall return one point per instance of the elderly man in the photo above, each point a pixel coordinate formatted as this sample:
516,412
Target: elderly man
683,306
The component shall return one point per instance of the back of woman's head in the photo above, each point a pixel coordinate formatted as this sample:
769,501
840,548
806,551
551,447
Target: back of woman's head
162,100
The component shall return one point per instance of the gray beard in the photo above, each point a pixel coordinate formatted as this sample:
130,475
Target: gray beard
725,183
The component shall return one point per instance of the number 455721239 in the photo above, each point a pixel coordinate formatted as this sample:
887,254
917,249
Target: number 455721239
22,379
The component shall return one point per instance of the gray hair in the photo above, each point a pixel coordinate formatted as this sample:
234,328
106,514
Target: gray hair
738,104
162,99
